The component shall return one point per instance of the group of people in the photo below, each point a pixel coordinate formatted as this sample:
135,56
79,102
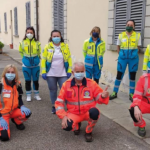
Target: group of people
79,93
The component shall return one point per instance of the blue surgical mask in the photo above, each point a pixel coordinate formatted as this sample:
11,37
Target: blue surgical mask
95,34
10,76
56,40
79,76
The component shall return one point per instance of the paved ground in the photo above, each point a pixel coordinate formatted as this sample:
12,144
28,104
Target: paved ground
43,130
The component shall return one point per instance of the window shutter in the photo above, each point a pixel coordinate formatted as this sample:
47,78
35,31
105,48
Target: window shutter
28,16
120,18
15,21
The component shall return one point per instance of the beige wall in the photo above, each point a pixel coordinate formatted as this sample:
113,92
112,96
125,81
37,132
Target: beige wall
82,16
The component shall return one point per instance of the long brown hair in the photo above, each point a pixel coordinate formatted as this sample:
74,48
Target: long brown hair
96,29
15,70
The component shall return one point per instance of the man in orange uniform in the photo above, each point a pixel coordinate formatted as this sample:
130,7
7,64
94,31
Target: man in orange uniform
81,96
141,103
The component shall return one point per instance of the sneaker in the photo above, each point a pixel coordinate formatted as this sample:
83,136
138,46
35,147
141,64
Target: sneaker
88,137
113,96
28,98
141,132
20,126
37,97
77,132
53,110
131,97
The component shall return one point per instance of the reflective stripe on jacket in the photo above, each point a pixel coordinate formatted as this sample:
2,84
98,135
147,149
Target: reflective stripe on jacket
129,45
47,56
146,61
10,98
142,91
89,51
79,99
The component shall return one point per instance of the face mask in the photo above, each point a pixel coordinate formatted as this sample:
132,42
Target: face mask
95,34
129,29
29,36
79,76
56,40
10,76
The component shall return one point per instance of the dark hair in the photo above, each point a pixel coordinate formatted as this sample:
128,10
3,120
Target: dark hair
50,39
132,21
30,28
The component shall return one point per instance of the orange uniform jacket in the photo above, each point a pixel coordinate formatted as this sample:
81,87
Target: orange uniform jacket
12,97
79,99
142,91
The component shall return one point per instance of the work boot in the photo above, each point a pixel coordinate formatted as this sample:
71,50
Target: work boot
20,126
77,132
131,97
28,98
113,96
53,110
37,97
88,137
141,132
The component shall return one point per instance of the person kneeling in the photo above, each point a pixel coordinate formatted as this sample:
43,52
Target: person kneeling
81,96
141,103
11,94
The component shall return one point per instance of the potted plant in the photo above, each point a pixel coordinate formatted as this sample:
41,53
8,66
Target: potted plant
1,46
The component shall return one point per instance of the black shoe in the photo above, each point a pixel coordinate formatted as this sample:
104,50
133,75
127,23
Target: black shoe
77,132
20,126
113,96
88,137
141,132
131,97
53,110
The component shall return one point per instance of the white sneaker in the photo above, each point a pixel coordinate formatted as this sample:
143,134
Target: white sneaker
28,98
37,97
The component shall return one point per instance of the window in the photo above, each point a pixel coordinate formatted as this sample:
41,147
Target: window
129,9
15,21
5,21
59,15
28,16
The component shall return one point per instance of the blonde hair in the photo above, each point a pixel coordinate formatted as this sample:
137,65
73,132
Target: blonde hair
96,29
79,64
15,71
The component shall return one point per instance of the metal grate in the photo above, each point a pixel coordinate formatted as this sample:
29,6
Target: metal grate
15,21
28,15
5,21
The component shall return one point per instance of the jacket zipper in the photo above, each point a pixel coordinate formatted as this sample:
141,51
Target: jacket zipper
79,98
30,48
13,100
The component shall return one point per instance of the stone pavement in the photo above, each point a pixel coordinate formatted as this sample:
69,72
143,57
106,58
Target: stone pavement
116,110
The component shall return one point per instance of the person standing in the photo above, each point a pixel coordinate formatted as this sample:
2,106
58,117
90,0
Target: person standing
56,64
128,43
93,51
30,50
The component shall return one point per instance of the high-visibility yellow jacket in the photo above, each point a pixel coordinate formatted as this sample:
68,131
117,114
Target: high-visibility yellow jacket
30,51
146,61
90,51
129,45
47,56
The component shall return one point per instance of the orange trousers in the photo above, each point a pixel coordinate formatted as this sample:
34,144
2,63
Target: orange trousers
85,117
18,117
145,109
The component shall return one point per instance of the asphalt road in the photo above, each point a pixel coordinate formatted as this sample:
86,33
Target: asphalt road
43,129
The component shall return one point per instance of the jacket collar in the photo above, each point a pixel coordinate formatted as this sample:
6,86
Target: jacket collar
13,82
91,40
84,82
29,40
52,45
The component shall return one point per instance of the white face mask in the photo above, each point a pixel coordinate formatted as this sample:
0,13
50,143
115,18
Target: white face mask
29,36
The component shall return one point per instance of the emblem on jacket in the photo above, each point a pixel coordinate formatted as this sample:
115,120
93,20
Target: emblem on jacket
87,94
50,50
89,47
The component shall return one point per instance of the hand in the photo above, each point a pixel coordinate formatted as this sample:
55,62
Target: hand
3,124
105,93
44,76
137,113
68,75
25,110
64,122
144,72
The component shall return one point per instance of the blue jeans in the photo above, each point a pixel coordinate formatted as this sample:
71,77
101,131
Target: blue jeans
52,85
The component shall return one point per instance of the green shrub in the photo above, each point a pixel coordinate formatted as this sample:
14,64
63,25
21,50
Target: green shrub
1,45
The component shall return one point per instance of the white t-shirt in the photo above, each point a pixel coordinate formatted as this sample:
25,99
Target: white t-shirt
119,42
57,67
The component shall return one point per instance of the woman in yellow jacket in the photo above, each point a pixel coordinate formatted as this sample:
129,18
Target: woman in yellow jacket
56,64
30,50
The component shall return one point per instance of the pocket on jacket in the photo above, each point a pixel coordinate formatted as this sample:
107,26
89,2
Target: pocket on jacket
36,61
27,61
89,61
